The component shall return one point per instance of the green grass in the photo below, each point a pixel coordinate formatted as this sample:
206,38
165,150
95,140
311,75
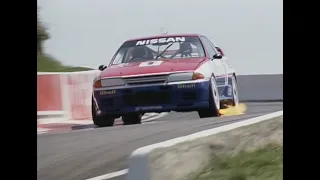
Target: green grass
49,64
262,164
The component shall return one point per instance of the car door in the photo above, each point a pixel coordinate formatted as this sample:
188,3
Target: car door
216,64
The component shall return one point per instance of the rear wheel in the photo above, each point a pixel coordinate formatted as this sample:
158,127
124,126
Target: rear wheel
101,120
214,102
132,118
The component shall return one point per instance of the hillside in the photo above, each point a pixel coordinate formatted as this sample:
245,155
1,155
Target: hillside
45,63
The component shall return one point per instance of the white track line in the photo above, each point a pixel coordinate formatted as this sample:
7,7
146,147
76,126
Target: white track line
110,175
42,130
154,117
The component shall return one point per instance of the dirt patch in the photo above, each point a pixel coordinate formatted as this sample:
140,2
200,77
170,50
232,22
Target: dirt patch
182,161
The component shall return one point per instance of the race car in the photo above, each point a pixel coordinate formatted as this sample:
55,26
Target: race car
183,72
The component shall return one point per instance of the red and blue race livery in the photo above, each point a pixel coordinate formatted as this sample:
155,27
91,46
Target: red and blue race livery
184,72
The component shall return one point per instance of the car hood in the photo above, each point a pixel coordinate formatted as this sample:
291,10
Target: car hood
150,67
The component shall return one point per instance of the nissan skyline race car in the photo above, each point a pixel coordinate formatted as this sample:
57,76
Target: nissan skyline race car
182,73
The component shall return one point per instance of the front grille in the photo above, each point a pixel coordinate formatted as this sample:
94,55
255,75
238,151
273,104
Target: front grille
189,96
107,102
147,98
146,79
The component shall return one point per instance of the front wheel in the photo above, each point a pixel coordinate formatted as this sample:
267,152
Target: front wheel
101,120
214,102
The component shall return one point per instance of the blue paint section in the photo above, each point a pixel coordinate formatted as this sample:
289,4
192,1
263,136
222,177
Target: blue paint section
161,98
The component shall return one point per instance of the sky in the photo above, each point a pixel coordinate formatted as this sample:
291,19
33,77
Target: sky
88,32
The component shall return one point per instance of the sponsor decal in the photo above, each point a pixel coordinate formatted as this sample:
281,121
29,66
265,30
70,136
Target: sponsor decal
147,108
118,65
183,86
108,92
150,63
160,40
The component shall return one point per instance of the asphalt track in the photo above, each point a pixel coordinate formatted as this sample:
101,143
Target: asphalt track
83,154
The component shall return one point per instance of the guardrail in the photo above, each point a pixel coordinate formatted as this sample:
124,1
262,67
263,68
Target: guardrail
264,87
68,95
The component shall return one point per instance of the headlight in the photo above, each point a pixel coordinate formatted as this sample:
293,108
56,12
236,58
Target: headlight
108,82
184,76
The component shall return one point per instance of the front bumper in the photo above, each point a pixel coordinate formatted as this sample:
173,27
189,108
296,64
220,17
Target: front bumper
181,96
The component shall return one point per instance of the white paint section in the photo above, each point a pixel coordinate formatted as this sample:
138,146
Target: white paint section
205,69
150,63
139,163
42,130
78,122
147,118
75,72
41,113
51,120
155,116
110,175
160,40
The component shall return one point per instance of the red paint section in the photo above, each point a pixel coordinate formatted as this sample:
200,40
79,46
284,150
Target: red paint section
172,65
49,93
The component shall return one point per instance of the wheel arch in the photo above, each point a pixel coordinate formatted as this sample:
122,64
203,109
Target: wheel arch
235,76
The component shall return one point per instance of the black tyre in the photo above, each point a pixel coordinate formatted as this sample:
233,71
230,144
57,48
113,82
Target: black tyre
214,102
101,120
132,118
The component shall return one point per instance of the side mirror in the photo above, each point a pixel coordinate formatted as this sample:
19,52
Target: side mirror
102,67
217,56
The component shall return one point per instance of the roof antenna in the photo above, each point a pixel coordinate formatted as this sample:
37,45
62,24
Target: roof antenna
163,30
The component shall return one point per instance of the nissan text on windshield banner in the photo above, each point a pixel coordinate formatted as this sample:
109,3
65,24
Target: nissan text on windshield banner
160,40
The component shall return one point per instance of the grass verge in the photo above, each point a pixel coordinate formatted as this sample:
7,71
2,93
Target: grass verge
264,164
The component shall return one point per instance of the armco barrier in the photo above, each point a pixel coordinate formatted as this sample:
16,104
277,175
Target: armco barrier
68,95
264,87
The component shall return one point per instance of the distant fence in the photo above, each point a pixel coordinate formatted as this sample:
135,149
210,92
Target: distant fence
68,95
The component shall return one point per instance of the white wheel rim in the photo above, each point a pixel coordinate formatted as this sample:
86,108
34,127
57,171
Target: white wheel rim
215,94
235,92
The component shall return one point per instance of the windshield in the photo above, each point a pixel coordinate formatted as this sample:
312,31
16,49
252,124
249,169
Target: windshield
159,48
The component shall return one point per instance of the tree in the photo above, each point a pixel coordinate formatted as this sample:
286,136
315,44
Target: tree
42,35
45,62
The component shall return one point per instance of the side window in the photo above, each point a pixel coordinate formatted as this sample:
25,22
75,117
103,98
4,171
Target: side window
208,46
211,44
118,58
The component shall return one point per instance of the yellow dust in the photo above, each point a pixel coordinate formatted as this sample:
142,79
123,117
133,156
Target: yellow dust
233,110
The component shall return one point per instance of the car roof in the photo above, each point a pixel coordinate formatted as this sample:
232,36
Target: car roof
163,36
